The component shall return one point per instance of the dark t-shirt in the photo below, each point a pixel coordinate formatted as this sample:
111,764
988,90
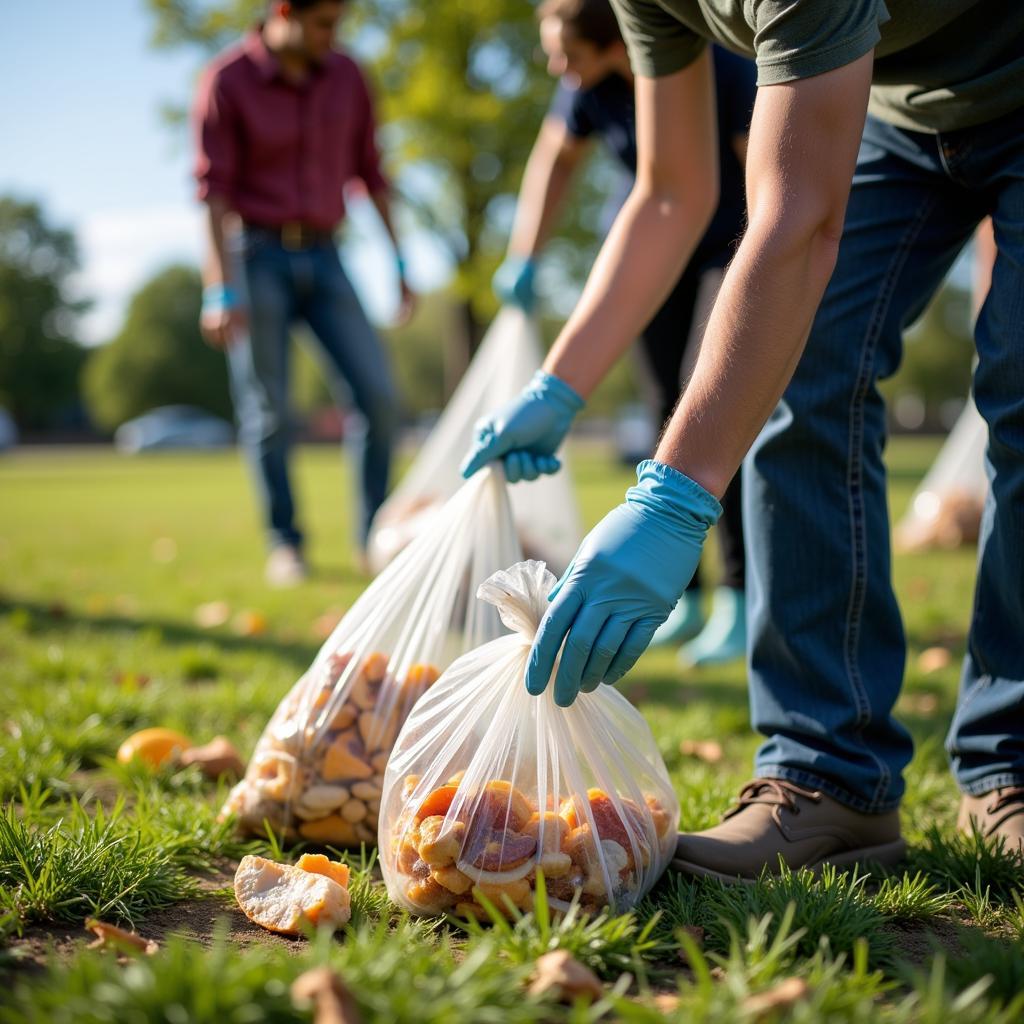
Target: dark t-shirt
608,111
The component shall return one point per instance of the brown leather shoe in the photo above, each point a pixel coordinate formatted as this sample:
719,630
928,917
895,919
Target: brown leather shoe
774,818
1000,812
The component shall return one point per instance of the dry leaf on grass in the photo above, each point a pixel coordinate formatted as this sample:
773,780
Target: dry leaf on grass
216,758
165,550
696,933
560,974
327,992
109,935
212,614
666,1003
933,659
249,623
786,993
704,750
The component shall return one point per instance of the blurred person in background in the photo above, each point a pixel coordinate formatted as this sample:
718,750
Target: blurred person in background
882,135
283,122
594,99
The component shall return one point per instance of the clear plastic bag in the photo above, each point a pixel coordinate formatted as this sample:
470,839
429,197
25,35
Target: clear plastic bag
544,510
946,509
487,784
318,769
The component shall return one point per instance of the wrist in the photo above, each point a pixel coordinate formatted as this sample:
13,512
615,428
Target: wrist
663,489
219,297
551,388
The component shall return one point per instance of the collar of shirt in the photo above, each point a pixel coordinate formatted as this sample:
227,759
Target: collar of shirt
266,61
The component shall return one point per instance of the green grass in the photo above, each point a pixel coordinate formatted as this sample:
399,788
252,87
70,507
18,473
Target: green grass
103,563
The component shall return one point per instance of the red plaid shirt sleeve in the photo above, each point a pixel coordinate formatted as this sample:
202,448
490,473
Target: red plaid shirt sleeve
217,139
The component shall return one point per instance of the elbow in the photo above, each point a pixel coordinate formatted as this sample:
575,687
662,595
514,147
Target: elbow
809,236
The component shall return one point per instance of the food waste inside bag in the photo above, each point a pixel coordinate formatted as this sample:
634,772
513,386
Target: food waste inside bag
487,785
318,769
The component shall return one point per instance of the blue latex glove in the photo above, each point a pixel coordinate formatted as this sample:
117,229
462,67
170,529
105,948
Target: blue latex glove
513,282
627,576
527,432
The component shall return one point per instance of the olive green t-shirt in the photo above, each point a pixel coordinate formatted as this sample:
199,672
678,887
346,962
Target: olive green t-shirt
939,64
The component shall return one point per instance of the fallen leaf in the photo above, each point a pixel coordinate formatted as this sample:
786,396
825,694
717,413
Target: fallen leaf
216,758
697,934
560,974
165,550
119,939
332,1001
779,996
921,703
57,610
249,623
212,614
323,625
933,659
704,750
666,1003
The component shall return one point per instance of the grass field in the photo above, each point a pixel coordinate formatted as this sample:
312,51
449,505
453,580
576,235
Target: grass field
103,563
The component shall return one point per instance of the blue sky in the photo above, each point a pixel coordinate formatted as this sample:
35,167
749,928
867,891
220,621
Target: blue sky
85,136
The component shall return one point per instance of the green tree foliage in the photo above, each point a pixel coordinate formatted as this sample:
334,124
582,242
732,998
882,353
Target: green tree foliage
39,361
159,357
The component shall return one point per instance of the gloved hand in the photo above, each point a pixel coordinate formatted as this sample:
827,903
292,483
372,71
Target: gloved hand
513,282
627,576
527,432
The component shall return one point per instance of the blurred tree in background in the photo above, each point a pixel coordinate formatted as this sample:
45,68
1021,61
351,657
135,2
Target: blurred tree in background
39,360
158,357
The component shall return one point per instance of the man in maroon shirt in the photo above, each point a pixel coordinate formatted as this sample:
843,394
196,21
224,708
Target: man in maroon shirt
283,122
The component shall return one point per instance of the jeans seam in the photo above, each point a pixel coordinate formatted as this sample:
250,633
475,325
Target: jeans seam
999,781
855,500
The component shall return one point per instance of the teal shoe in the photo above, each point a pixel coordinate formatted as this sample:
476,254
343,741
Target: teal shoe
724,638
684,622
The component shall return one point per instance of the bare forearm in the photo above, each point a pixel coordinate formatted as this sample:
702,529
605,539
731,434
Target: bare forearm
547,177
216,268
751,347
640,261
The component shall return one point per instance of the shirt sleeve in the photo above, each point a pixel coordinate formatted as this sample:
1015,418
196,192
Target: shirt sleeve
796,39
658,42
217,146
568,105
368,164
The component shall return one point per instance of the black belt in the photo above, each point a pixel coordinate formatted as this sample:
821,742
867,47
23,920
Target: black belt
294,234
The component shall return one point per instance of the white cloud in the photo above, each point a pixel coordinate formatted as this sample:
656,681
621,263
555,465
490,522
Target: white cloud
122,248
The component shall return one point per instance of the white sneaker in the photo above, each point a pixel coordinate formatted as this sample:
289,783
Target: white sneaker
286,567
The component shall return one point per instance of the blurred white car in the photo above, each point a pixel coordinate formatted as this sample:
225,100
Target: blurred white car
173,426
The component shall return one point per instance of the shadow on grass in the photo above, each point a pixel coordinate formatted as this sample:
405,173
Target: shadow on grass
39,617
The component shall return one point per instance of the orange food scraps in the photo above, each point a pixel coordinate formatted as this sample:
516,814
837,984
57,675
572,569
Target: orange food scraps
321,865
154,747
287,899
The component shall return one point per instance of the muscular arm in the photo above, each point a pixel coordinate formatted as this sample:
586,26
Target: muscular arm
656,231
553,161
802,151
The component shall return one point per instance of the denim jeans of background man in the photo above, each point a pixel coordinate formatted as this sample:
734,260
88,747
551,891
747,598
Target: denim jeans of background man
282,287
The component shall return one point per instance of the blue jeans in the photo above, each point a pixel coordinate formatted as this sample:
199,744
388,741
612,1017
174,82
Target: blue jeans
283,286
827,645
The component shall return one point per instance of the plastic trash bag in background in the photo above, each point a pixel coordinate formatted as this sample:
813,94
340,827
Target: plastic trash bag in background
318,769
545,510
946,509
487,784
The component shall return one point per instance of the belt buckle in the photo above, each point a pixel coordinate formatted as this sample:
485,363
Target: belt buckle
291,235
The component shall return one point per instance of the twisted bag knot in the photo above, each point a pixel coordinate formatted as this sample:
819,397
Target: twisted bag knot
520,593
